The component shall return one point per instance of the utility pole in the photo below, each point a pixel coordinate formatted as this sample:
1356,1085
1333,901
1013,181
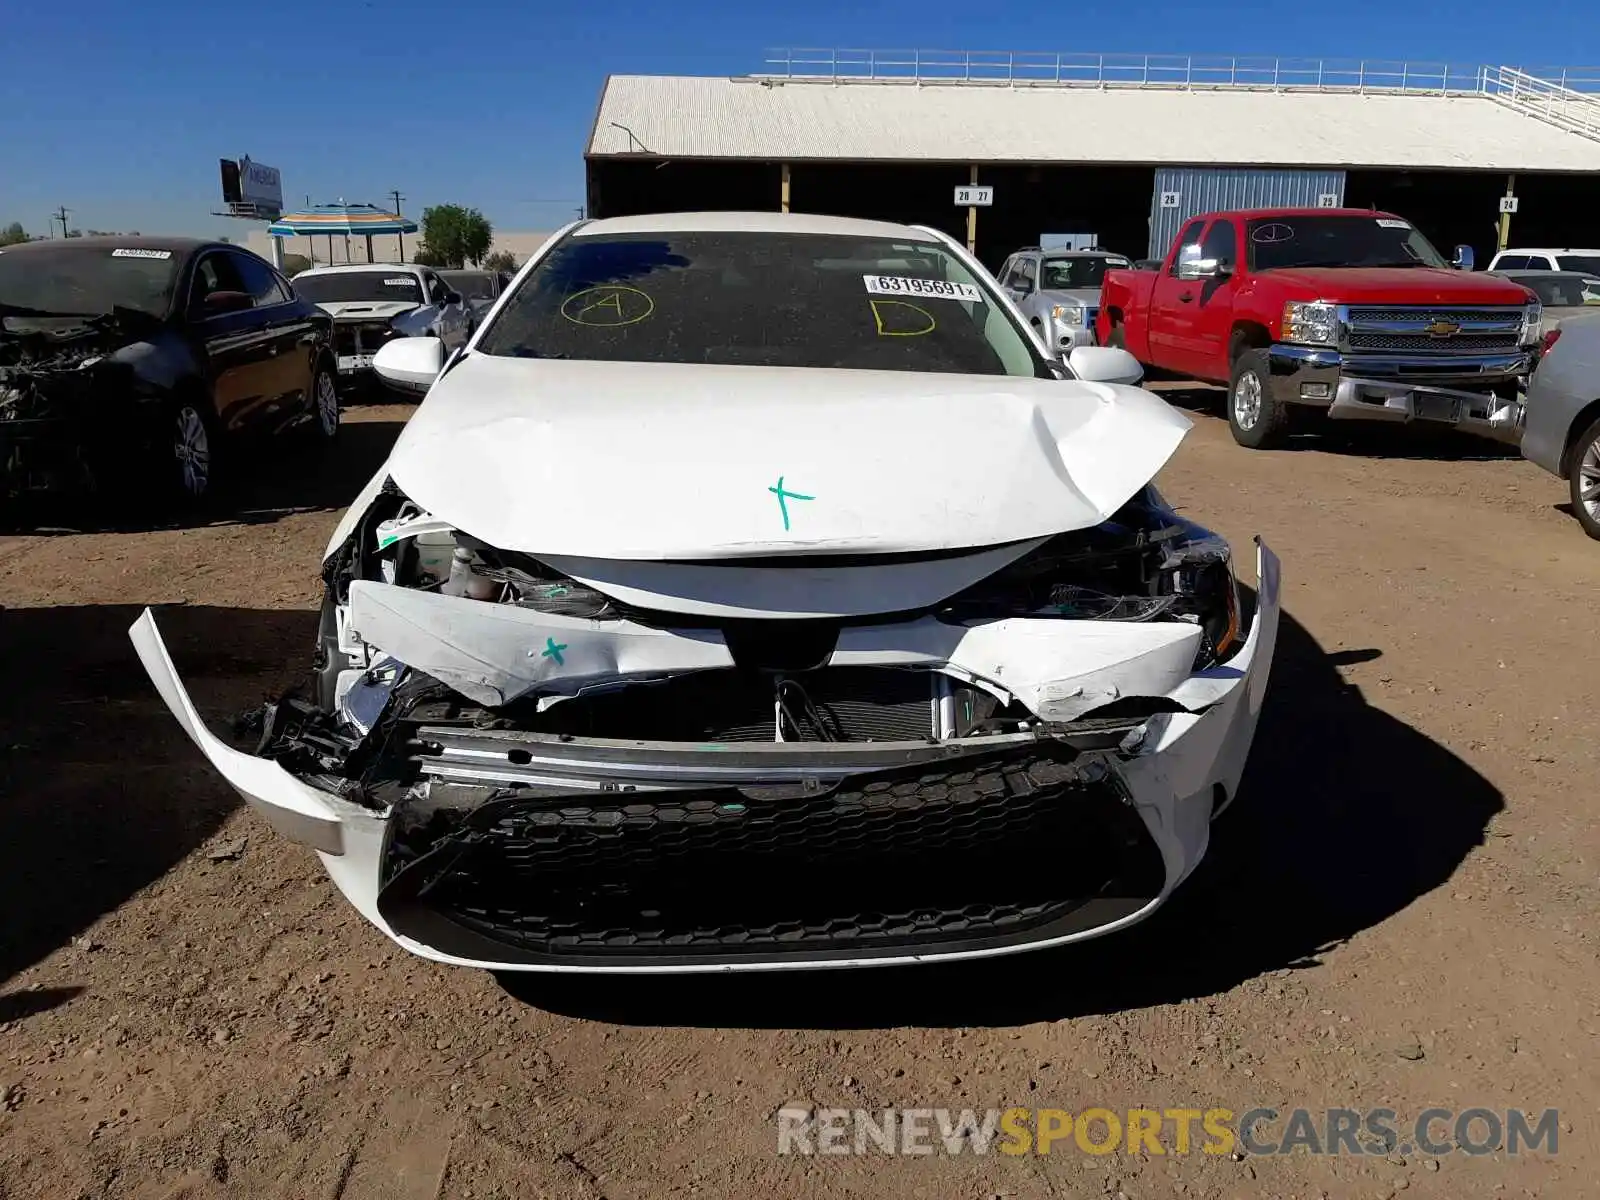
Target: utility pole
400,238
60,215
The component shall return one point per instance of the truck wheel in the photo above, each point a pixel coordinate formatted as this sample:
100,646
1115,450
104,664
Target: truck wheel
1255,418
1584,480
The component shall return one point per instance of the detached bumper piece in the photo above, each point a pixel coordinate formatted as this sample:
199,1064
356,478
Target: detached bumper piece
980,852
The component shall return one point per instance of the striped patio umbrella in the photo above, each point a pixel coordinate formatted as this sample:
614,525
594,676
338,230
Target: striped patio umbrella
366,220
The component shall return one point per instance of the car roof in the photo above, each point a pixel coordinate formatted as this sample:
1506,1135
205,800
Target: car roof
748,222
1545,250
343,268
181,247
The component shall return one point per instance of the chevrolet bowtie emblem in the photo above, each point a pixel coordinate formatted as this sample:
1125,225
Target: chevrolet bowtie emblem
1443,329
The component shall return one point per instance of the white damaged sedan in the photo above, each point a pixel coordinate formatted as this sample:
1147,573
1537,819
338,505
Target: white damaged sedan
756,591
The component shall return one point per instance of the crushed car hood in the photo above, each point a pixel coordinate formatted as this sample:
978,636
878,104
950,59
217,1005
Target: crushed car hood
367,309
654,461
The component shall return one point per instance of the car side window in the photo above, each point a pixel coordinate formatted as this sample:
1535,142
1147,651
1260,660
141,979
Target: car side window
259,280
1545,263
1189,238
1512,262
215,272
1221,243
436,288
1026,274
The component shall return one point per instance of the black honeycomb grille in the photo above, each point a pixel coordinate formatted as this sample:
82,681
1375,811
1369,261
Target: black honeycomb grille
984,850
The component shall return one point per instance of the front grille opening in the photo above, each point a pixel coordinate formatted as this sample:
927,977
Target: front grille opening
979,852
845,704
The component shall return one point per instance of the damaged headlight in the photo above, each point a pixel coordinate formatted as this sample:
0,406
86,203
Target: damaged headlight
415,549
1145,564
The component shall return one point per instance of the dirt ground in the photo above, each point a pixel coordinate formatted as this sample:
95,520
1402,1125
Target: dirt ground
1399,911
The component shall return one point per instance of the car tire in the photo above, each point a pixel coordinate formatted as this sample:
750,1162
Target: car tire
1256,420
189,452
1584,479
323,428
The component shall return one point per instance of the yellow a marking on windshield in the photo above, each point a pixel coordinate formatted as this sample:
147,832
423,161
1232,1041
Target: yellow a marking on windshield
608,306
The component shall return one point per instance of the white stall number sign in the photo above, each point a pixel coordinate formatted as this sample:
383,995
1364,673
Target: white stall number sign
975,197
1169,199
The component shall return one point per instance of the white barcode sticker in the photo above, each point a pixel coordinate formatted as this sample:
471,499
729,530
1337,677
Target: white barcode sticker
399,281
907,285
141,254
1387,223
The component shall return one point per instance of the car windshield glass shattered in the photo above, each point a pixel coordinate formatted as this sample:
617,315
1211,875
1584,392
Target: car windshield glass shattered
474,285
761,299
1086,271
1342,241
89,281
342,286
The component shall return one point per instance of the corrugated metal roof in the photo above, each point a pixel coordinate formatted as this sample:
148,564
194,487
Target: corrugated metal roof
674,116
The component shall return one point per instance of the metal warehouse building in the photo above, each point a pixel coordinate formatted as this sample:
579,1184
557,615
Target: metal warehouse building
1115,149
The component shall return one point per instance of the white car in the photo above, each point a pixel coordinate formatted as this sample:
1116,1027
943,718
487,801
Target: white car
1545,259
757,591
373,303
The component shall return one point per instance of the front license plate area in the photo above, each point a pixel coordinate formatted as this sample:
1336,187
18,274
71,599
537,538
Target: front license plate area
355,362
1436,408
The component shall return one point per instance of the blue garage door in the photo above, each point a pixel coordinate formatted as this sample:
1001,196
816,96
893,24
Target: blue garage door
1184,192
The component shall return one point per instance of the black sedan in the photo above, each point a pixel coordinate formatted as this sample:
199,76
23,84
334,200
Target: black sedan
134,362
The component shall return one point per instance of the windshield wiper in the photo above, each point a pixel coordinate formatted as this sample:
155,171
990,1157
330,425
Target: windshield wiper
527,352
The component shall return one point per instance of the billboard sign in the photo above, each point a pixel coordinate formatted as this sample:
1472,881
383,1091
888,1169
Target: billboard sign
252,189
260,185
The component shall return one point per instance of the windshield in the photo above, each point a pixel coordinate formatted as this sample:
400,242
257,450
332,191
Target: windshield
1342,241
760,299
474,285
68,280
337,287
1588,263
1080,271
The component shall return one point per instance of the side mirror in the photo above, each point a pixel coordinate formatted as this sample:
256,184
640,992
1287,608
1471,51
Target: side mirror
452,297
1202,268
410,363
1102,364
1463,259
216,304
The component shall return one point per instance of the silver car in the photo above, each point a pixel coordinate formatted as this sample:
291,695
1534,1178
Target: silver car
1059,291
1563,430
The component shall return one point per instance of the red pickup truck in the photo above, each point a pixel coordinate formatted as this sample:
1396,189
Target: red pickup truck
1349,311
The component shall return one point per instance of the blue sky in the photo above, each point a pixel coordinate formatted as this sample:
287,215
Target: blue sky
120,111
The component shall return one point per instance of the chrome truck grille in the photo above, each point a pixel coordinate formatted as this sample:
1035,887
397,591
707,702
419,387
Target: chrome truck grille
1441,331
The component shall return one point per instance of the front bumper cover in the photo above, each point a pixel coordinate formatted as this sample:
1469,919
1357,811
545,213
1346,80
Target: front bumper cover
1174,773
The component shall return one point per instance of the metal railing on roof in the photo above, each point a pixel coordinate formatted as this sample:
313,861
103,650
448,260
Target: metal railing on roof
1073,69
1557,103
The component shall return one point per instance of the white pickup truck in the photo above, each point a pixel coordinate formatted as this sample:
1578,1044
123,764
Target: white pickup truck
1544,259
